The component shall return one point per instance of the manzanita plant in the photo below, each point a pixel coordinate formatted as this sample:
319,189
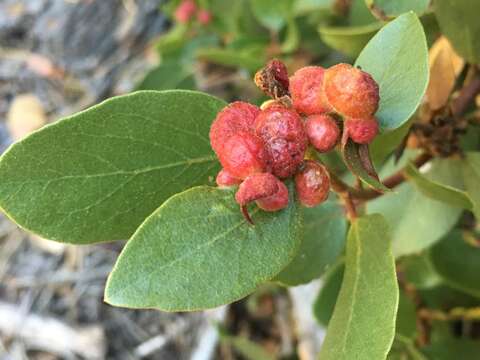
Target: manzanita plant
217,199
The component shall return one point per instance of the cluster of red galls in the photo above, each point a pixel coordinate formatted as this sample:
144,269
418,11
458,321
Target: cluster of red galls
187,9
260,147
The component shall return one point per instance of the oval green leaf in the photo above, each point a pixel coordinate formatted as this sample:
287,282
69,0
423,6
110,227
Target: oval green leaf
458,20
369,295
458,263
406,208
197,252
418,271
436,190
323,241
95,176
397,58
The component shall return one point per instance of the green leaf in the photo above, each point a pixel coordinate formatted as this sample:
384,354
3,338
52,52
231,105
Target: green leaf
457,263
387,9
167,76
96,175
357,159
437,191
471,178
458,20
406,208
451,349
404,348
197,251
348,40
363,322
273,14
397,58
328,295
406,324
232,58
419,271
173,40
323,241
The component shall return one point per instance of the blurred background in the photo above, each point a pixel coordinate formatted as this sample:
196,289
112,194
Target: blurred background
58,57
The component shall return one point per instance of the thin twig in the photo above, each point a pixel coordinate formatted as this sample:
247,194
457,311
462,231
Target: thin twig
392,181
464,314
345,193
350,207
467,95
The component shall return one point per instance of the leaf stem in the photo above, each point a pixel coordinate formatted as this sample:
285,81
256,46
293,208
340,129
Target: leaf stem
345,193
393,180
350,207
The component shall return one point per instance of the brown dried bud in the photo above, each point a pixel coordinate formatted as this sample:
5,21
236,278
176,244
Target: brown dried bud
273,79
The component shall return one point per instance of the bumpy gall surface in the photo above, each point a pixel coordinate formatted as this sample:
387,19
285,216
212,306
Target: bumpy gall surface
306,90
238,116
204,17
322,131
225,179
243,154
351,91
283,133
185,11
312,184
277,201
362,131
